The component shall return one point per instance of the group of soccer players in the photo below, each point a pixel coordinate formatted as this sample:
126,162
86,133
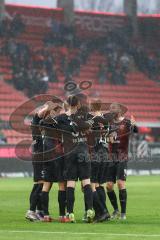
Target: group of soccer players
79,140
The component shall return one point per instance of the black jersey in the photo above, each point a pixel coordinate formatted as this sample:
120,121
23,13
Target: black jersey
37,148
82,120
36,134
73,127
100,128
51,140
77,160
121,132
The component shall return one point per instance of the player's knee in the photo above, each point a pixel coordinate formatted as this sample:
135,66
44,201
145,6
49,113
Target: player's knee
110,186
86,182
46,186
62,186
71,184
121,184
97,185
93,186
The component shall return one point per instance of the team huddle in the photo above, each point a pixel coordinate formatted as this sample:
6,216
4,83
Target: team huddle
77,140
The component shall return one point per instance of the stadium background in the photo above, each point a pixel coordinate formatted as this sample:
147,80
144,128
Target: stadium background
28,34
138,89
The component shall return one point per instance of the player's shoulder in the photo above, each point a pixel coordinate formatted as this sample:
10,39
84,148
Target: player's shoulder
127,121
90,115
109,116
35,119
62,117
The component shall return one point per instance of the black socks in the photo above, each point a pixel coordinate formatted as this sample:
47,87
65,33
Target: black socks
62,202
39,204
45,202
97,205
102,196
88,197
70,199
123,200
113,199
35,196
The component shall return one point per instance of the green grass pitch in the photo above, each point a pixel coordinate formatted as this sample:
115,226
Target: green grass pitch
143,219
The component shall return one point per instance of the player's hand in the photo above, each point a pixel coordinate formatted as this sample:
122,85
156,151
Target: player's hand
50,105
98,114
133,120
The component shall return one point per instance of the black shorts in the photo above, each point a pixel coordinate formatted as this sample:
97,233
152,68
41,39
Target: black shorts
99,164
103,169
52,150
49,172
117,171
59,169
53,169
77,164
38,171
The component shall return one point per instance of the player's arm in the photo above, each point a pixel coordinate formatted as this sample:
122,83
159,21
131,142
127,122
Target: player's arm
134,129
81,124
131,125
104,120
62,123
108,117
36,133
45,108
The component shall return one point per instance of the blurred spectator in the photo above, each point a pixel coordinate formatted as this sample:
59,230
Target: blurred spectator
3,139
69,36
19,80
68,78
4,28
43,80
17,25
55,26
38,59
124,62
152,67
112,62
84,52
53,75
74,65
48,62
118,77
11,47
102,73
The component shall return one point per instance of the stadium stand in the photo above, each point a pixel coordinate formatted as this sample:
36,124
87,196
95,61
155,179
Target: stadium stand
139,93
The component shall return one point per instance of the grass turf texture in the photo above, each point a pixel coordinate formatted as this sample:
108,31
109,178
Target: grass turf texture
143,218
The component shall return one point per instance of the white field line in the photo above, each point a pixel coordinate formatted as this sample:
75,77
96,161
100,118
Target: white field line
84,233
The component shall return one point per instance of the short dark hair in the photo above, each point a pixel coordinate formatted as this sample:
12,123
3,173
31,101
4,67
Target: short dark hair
96,105
72,101
56,100
82,98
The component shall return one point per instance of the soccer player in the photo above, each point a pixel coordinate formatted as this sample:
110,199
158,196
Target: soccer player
99,159
77,162
52,160
37,157
121,128
98,155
